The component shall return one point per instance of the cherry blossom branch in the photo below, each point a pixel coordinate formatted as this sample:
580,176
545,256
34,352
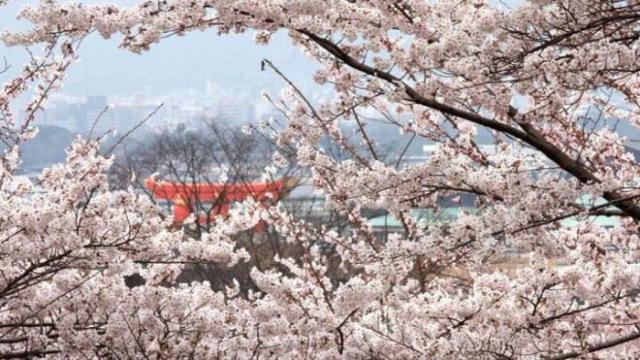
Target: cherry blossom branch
595,348
530,135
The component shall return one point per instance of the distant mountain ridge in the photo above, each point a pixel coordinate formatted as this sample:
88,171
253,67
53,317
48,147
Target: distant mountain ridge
47,148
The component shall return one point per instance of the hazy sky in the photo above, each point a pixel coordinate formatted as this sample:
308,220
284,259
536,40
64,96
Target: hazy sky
233,61
189,62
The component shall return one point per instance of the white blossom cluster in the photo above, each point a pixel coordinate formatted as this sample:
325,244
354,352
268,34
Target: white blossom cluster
438,70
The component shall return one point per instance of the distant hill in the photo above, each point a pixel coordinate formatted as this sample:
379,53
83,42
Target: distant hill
47,148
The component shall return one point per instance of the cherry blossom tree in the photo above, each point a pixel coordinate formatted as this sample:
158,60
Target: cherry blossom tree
545,78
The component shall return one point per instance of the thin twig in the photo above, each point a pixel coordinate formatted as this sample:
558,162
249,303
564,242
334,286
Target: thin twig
121,139
96,120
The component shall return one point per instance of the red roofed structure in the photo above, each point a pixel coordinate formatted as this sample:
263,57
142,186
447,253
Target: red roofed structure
185,197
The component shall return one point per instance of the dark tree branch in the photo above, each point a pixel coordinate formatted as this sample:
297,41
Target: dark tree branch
528,134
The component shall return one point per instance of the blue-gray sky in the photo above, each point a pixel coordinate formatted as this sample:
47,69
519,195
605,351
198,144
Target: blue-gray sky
233,61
